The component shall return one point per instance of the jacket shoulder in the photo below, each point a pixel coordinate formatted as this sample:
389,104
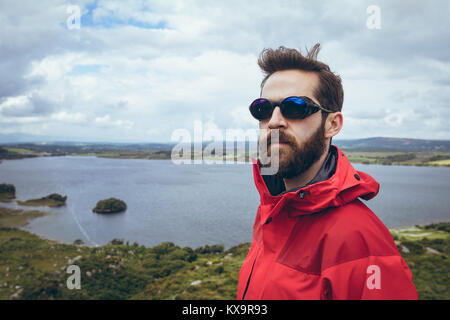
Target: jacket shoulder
356,233
336,236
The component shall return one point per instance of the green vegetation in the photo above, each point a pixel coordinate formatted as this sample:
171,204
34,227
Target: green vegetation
19,150
427,251
370,157
400,158
15,153
17,217
111,205
35,268
7,192
155,155
440,163
385,151
52,200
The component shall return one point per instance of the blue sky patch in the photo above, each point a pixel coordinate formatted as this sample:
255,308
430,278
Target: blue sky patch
87,20
82,69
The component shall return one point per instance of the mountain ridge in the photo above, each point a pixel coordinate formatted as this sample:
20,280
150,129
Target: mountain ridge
364,144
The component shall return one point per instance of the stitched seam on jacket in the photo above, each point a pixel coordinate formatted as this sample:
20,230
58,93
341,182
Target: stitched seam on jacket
361,258
332,266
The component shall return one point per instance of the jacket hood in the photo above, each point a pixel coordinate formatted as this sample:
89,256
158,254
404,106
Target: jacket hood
342,185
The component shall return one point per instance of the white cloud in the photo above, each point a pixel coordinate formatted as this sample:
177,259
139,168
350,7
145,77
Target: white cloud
106,121
103,120
76,117
200,63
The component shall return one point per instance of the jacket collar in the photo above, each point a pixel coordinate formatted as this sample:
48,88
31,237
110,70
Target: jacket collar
336,184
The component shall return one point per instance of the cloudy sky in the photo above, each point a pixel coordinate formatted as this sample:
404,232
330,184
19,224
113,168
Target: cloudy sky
136,71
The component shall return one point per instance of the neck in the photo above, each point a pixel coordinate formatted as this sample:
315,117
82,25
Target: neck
308,175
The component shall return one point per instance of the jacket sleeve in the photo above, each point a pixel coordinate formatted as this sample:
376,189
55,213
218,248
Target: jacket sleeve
369,278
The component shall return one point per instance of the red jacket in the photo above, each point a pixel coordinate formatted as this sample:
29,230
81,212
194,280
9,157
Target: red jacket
321,242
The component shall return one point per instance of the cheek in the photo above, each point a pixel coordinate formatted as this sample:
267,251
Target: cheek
305,128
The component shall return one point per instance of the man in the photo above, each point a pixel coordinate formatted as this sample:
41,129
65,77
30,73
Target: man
313,237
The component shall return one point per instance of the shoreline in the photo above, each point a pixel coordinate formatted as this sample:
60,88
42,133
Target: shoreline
32,214
35,267
444,164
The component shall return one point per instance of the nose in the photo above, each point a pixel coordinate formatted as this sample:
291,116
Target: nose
277,120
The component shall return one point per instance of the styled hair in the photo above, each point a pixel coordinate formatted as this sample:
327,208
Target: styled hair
329,92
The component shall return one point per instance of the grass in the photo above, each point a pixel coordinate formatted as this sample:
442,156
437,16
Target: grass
132,155
7,192
40,203
35,268
440,163
17,217
417,234
426,250
416,158
400,158
19,150
6,197
53,200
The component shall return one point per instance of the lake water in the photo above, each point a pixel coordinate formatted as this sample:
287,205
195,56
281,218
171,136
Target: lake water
192,205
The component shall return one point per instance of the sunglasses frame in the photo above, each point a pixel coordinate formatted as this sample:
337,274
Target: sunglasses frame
314,107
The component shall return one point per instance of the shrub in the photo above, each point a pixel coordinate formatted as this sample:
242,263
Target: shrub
111,205
78,242
217,248
7,191
219,269
190,254
240,250
7,188
116,241
163,248
57,197
414,247
401,157
442,226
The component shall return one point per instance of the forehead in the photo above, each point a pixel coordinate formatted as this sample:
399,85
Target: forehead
282,84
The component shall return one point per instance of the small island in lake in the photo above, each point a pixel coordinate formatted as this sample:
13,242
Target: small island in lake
52,200
111,205
7,192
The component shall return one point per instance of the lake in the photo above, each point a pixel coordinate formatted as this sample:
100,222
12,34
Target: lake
191,205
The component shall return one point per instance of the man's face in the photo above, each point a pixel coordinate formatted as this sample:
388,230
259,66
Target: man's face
301,141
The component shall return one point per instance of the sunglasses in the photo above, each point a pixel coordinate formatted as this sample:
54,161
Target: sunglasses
290,107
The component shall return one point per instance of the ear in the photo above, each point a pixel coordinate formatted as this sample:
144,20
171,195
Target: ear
333,124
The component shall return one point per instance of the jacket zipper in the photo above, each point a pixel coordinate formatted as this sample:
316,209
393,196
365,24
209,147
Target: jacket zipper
249,277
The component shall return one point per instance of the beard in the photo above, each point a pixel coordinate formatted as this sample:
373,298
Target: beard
295,159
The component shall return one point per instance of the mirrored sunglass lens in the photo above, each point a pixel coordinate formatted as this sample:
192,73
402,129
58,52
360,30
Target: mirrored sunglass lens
296,100
261,109
295,108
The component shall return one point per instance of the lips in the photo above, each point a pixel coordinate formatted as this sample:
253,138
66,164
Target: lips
282,140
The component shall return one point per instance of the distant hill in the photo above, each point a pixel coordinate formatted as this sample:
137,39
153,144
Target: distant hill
379,144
